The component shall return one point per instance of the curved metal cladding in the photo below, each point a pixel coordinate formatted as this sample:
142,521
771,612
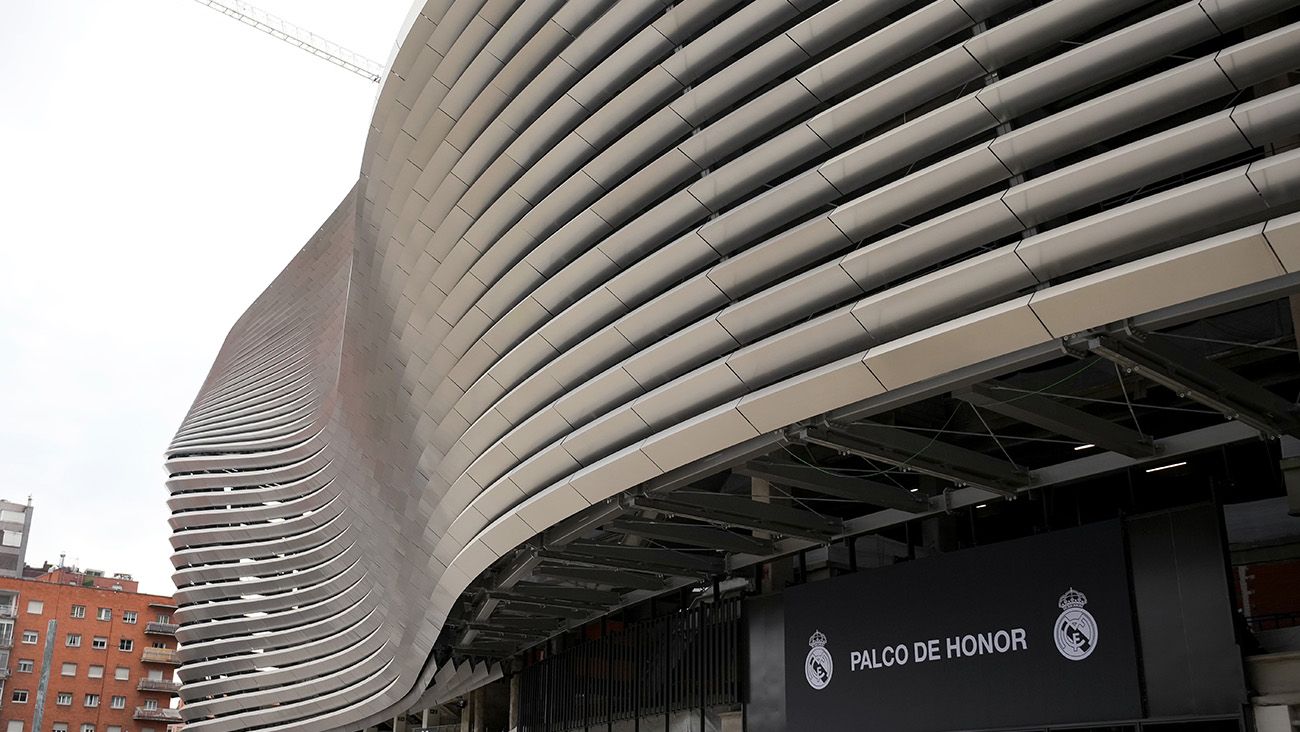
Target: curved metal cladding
596,241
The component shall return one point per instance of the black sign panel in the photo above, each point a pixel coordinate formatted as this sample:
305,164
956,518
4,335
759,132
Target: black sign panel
1030,632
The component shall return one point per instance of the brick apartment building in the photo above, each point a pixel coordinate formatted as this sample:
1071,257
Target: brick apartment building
112,654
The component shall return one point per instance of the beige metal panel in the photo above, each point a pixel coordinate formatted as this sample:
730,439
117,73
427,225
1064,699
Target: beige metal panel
1125,108
1106,57
1137,226
813,392
788,302
1283,234
1196,270
1052,23
1262,58
1236,13
670,311
896,202
608,476
1270,118
888,46
621,426
733,82
684,396
896,95
782,153
944,294
698,436
960,342
550,506
902,146
1277,178
755,267
767,211
929,242
1126,168
688,347
807,345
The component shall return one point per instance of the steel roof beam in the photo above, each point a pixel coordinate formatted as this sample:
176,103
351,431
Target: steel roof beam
607,577
1060,419
662,561
701,535
828,484
1200,380
740,511
927,455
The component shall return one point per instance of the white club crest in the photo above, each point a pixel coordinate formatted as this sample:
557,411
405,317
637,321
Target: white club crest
1076,630
818,667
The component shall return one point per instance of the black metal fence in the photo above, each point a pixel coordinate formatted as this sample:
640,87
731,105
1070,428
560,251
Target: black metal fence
688,660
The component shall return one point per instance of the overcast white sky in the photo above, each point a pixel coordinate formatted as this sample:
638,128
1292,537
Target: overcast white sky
159,164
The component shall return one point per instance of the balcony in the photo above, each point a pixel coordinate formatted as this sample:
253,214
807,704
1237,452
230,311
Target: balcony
4,673
170,687
161,628
170,716
160,655
6,642
8,612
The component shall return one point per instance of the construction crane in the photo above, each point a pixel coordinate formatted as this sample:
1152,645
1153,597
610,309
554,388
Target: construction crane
299,37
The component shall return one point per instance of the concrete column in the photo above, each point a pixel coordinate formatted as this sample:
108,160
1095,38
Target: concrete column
514,702
467,714
425,717
777,574
1274,718
399,723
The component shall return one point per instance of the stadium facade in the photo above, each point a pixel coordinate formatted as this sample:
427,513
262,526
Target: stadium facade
640,300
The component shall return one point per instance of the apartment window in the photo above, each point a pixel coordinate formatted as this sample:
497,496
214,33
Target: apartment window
26,666
160,644
69,669
20,696
59,727
117,702
128,617
155,675
105,614
87,728
114,728
30,637
99,643
164,618
95,672
122,673
64,699
14,726
150,703
92,700
73,640
35,607
12,538
78,611
126,644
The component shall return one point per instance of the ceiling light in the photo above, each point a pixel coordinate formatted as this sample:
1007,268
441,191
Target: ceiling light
1166,467
1084,447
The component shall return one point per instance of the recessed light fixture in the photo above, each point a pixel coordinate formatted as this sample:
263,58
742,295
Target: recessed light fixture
1084,447
914,490
1166,467
982,505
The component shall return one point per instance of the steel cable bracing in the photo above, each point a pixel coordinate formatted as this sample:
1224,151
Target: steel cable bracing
592,242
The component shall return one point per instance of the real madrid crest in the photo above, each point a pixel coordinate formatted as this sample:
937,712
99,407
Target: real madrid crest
818,667
1076,629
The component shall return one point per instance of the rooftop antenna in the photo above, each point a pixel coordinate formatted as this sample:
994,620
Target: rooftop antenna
299,37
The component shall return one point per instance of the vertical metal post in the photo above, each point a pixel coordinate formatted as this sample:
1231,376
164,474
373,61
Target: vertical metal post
853,552
667,656
51,630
